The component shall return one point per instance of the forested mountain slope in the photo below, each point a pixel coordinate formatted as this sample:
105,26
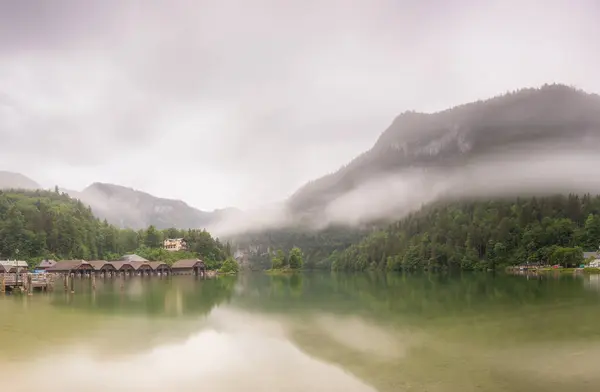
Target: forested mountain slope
43,224
480,235
317,245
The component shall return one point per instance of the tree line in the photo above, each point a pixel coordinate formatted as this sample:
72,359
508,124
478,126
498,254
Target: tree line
316,245
37,225
293,260
478,235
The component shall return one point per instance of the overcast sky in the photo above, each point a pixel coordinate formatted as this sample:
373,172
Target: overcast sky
239,102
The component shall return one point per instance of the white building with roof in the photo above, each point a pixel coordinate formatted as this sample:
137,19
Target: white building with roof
13,265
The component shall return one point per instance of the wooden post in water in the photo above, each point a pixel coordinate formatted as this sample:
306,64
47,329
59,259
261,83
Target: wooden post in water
29,285
93,281
72,285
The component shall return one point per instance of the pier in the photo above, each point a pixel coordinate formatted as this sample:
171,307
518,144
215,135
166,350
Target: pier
25,281
103,268
68,270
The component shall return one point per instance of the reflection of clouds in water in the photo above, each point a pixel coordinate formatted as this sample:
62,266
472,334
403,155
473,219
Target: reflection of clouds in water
572,364
243,356
357,334
135,288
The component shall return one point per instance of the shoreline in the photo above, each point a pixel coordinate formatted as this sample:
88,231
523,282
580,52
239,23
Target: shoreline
546,270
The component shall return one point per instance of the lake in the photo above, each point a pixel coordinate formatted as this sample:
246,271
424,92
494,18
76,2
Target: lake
308,332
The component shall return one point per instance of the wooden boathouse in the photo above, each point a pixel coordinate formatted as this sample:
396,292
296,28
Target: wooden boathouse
102,267
141,267
77,267
14,275
45,264
189,267
160,267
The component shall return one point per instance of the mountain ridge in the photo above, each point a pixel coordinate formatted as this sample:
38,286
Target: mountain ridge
14,180
128,207
448,138
124,206
550,114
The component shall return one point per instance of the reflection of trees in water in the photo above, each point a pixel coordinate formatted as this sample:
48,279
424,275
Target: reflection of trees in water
176,296
418,295
452,327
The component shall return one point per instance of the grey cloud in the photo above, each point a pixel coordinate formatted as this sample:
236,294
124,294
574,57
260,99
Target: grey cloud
58,24
266,93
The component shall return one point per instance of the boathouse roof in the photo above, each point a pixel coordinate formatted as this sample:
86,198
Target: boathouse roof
188,263
157,264
119,265
13,263
138,264
99,265
132,257
69,265
47,263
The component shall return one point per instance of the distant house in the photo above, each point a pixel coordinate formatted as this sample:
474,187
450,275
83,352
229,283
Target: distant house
188,267
174,244
593,258
45,264
132,257
12,266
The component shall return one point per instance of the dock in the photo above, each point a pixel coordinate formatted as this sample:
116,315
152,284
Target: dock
25,281
67,270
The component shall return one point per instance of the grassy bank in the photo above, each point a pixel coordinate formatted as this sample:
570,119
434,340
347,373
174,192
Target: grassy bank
282,271
587,270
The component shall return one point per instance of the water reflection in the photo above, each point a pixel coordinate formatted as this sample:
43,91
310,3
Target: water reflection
152,297
212,359
323,332
592,282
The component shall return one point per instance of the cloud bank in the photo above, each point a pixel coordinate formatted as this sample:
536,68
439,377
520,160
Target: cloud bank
529,170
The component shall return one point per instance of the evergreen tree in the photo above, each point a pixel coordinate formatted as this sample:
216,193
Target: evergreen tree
295,258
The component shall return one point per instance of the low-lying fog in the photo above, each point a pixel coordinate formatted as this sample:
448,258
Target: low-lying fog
528,170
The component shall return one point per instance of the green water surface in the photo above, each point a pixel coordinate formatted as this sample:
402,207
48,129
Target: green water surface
307,332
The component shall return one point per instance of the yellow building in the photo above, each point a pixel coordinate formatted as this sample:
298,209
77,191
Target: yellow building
174,244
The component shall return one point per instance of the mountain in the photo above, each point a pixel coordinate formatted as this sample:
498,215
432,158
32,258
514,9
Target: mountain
551,114
130,208
10,180
126,207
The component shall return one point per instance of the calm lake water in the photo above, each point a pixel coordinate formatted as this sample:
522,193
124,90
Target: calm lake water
310,332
